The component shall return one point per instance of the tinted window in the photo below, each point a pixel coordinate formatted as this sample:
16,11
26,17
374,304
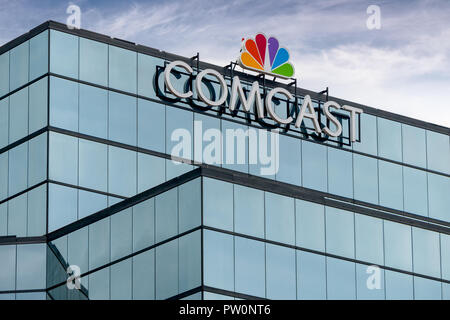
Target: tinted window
280,218
340,232
93,61
122,69
64,54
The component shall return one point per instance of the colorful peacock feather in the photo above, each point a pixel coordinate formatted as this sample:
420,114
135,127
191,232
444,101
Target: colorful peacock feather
265,55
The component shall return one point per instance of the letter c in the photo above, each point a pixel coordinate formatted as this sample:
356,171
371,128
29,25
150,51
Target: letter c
169,85
269,107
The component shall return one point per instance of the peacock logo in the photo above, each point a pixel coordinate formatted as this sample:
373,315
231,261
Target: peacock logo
266,56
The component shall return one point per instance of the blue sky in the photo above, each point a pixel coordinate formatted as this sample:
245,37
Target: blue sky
404,67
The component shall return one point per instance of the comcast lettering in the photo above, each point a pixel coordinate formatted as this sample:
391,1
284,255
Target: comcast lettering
254,100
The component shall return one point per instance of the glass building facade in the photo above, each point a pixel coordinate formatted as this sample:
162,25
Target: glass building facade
87,129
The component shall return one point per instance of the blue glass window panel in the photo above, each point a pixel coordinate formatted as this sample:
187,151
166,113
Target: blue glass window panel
389,139
90,202
63,158
93,165
122,118
218,260
438,199
207,144
8,274
176,169
93,61
121,234
17,216
7,296
263,152
189,255
311,276
4,219
249,211
179,132
218,211
399,286
390,185
113,200
374,279
78,249
99,243
414,146
37,117
38,55
445,291
368,136
340,279
438,152
151,125
122,172
61,246
31,265
18,167
445,256
37,211
280,272
290,159
426,254
4,175
144,276
250,267
280,218
64,54
18,115
166,214
195,296
398,249
63,206
64,104
122,69
310,225
37,159
151,171
167,270
365,175
314,166
99,285
146,75
214,296
340,172
236,141
18,65
4,73
340,232
4,122
121,280
369,239
190,205
426,289
415,191
93,111
144,224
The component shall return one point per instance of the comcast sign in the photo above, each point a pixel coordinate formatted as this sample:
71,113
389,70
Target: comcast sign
264,56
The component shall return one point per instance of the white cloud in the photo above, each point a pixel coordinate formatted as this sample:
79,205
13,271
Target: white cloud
403,68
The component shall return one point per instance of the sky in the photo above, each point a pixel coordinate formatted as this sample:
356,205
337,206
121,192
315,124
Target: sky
402,67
